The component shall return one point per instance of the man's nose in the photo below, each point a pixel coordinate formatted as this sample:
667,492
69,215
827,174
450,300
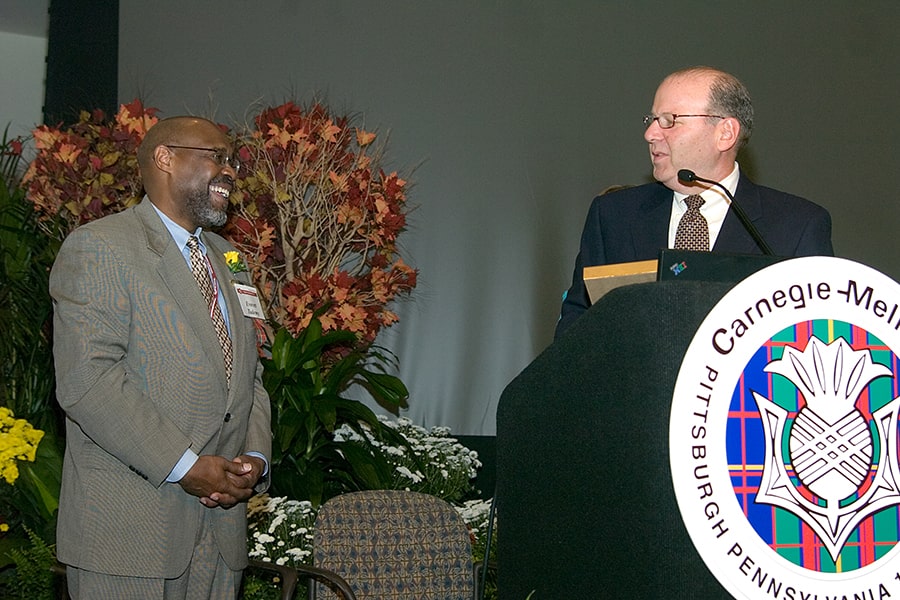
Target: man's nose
653,131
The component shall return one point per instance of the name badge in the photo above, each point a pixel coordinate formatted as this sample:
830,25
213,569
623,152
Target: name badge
249,299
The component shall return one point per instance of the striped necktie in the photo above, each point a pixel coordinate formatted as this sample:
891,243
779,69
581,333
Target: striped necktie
201,273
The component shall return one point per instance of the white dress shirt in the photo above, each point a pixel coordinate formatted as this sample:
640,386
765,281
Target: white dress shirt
714,208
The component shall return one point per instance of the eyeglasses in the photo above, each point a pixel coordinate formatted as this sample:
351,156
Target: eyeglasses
667,120
220,155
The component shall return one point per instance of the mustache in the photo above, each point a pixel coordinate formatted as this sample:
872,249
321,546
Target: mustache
222,179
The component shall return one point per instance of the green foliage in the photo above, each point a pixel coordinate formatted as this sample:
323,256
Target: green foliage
428,461
26,359
258,584
26,255
306,378
32,578
31,503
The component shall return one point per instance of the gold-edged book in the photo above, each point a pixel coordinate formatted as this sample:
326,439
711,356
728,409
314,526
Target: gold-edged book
601,279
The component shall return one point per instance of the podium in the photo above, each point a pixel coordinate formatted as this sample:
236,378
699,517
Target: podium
585,501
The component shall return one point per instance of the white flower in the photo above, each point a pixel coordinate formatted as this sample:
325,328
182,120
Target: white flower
281,530
415,477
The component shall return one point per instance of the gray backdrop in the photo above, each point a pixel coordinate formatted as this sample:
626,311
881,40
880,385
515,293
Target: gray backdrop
516,113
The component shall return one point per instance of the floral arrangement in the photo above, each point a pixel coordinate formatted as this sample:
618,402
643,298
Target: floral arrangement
318,219
18,441
88,170
477,515
26,254
430,461
315,215
280,530
30,461
31,469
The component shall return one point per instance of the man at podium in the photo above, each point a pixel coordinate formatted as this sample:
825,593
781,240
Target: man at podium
701,117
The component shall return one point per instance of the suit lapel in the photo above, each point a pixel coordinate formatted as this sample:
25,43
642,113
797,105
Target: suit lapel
651,231
733,236
173,270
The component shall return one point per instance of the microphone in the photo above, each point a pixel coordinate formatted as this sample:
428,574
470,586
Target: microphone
688,176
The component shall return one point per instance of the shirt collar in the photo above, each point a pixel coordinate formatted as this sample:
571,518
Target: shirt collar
179,233
714,195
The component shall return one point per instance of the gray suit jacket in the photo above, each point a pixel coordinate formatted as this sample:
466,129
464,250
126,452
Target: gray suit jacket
141,377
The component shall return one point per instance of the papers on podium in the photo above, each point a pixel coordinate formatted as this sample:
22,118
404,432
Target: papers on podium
602,278
673,265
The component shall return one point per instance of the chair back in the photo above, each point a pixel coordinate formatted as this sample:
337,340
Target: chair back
395,545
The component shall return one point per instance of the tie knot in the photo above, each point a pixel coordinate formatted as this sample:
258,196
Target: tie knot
193,243
694,202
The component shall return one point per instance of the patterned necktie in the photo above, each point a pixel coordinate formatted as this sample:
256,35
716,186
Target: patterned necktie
693,230
201,274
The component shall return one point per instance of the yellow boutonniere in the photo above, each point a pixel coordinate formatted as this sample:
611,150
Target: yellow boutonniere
235,262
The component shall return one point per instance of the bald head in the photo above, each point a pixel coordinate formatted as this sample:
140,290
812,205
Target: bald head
171,131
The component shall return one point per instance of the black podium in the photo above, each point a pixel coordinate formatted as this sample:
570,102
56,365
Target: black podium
585,501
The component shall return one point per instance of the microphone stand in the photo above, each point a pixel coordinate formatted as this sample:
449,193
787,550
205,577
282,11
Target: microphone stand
688,176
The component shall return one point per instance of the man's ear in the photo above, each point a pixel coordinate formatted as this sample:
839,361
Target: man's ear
162,158
728,132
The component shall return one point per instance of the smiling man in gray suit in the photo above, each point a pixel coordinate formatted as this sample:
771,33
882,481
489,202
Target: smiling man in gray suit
168,426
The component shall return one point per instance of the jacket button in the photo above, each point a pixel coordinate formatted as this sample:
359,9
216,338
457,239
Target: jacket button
227,417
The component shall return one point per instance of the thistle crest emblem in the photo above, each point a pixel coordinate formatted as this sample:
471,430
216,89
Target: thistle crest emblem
830,443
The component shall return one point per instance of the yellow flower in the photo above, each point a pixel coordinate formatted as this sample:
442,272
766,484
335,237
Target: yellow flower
18,441
235,262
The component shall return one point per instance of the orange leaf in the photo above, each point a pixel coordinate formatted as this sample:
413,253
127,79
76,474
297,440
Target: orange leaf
339,181
364,138
67,153
329,131
44,137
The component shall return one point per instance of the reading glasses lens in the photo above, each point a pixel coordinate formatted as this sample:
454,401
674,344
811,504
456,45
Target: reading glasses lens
221,157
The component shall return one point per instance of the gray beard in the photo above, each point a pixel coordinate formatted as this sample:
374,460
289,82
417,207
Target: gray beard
202,211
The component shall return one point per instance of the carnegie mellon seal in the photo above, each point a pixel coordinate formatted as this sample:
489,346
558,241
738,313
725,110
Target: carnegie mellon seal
783,434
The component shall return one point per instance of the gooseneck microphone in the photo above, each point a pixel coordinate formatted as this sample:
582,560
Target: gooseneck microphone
687,176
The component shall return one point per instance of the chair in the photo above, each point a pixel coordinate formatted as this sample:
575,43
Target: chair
394,545
290,577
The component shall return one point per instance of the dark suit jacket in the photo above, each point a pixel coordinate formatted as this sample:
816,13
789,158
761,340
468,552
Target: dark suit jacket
633,224
141,377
